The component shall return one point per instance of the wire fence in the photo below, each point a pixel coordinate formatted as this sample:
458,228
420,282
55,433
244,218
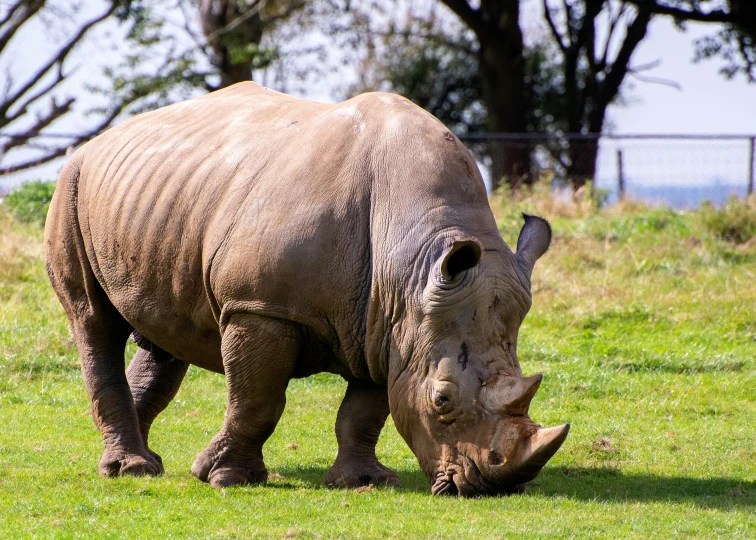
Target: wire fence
680,171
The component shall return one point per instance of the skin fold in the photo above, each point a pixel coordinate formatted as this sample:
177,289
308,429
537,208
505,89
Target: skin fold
266,237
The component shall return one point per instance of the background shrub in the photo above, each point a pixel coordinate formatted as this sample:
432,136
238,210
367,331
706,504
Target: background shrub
30,201
733,222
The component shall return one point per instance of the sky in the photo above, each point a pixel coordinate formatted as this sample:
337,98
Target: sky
705,102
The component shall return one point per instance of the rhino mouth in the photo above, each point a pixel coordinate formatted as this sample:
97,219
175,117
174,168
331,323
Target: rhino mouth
466,480
444,486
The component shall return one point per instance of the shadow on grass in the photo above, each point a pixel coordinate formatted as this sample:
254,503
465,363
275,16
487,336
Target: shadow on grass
603,484
607,484
412,480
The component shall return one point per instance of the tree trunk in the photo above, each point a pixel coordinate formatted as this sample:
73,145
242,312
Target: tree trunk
502,84
228,28
582,154
502,71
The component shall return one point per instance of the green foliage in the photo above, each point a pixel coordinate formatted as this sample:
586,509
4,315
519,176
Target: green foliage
30,201
733,222
440,74
735,47
642,323
437,67
258,57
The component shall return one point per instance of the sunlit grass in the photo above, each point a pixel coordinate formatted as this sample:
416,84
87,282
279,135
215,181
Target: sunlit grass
644,324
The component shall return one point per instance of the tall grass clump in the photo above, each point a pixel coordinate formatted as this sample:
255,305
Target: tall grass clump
540,199
20,251
30,202
733,222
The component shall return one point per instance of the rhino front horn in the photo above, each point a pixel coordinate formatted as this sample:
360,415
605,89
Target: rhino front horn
542,445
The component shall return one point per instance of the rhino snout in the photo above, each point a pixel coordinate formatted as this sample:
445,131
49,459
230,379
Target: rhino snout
524,464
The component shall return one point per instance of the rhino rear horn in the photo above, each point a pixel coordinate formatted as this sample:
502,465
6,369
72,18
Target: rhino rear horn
512,395
534,240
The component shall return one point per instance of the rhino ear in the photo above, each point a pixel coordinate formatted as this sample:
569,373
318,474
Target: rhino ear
463,255
533,242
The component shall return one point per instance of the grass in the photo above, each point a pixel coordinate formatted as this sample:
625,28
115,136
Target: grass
644,324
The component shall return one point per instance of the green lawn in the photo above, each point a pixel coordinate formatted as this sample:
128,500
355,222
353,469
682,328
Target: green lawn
644,325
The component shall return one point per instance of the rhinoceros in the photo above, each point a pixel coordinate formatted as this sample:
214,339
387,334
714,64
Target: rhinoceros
266,237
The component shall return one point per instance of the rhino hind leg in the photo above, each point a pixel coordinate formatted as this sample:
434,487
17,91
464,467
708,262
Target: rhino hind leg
101,346
361,417
259,357
154,380
100,333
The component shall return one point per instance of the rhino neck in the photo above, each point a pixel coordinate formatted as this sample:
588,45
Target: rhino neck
424,189
394,308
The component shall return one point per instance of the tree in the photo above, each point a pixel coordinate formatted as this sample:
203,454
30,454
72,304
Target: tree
735,42
593,68
172,52
595,64
567,82
197,46
24,115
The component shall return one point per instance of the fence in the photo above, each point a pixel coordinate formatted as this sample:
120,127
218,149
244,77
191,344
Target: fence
676,170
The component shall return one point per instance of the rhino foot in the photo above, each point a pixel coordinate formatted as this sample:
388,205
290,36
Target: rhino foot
113,464
236,476
355,474
217,475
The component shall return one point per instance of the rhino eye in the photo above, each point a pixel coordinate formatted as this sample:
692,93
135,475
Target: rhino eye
440,401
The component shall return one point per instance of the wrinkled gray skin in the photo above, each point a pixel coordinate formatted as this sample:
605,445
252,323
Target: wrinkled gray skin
267,237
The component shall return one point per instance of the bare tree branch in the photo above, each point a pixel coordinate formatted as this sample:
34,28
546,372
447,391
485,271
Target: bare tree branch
17,100
613,25
654,80
55,60
11,10
554,31
43,120
645,67
653,7
22,108
63,149
18,14
470,16
253,10
635,34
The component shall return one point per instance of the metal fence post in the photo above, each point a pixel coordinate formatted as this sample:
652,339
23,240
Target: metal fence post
620,176
750,166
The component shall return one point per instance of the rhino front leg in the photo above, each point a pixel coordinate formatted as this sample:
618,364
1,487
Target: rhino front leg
361,417
154,382
259,356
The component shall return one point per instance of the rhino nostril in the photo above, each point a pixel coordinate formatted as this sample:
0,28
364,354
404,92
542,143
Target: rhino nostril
494,458
440,400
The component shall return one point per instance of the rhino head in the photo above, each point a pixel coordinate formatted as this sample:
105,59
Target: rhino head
461,402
